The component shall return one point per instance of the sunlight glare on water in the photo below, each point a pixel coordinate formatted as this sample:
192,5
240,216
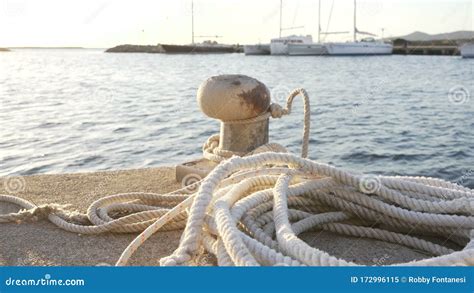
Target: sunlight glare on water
85,110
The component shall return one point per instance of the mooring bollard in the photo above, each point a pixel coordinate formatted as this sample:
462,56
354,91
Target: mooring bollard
238,101
234,99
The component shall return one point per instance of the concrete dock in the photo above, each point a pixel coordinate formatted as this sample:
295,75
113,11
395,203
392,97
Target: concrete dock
43,244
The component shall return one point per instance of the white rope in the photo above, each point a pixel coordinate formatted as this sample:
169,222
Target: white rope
250,211
213,152
236,213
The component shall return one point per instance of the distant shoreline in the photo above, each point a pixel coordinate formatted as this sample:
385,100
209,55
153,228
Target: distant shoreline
74,48
176,49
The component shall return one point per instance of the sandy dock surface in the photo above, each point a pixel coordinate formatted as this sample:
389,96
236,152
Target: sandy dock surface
44,244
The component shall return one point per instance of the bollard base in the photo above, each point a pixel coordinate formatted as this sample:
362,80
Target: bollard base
193,170
243,138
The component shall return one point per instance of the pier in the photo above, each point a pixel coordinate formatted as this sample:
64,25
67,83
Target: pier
426,50
435,47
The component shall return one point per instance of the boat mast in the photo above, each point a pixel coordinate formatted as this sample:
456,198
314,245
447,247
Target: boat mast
281,21
355,26
281,8
319,21
192,22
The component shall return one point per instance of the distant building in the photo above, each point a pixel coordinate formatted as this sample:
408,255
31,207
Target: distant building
401,43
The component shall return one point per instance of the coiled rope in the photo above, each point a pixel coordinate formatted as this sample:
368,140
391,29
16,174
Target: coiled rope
250,210
256,221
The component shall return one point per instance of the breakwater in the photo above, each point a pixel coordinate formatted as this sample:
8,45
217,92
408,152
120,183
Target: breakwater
176,49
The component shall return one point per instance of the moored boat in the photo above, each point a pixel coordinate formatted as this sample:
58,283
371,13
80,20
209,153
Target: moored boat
316,49
306,49
279,46
367,46
467,50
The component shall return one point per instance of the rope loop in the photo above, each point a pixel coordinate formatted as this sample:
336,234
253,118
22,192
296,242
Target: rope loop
213,152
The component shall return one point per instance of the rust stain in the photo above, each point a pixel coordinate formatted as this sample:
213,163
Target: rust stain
257,99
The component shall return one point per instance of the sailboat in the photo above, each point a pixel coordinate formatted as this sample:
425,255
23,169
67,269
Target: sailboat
367,46
311,48
307,49
280,45
295,49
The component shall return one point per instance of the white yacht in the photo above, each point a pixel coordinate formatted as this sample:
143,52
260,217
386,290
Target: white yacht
279,46
316,49
367,46
467,50
260,49
305,49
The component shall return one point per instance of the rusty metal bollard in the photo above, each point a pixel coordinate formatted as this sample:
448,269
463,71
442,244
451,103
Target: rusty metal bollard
232,99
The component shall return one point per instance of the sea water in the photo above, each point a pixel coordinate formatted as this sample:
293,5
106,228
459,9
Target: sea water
85,110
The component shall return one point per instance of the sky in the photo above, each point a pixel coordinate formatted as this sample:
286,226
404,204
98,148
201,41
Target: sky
106,23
